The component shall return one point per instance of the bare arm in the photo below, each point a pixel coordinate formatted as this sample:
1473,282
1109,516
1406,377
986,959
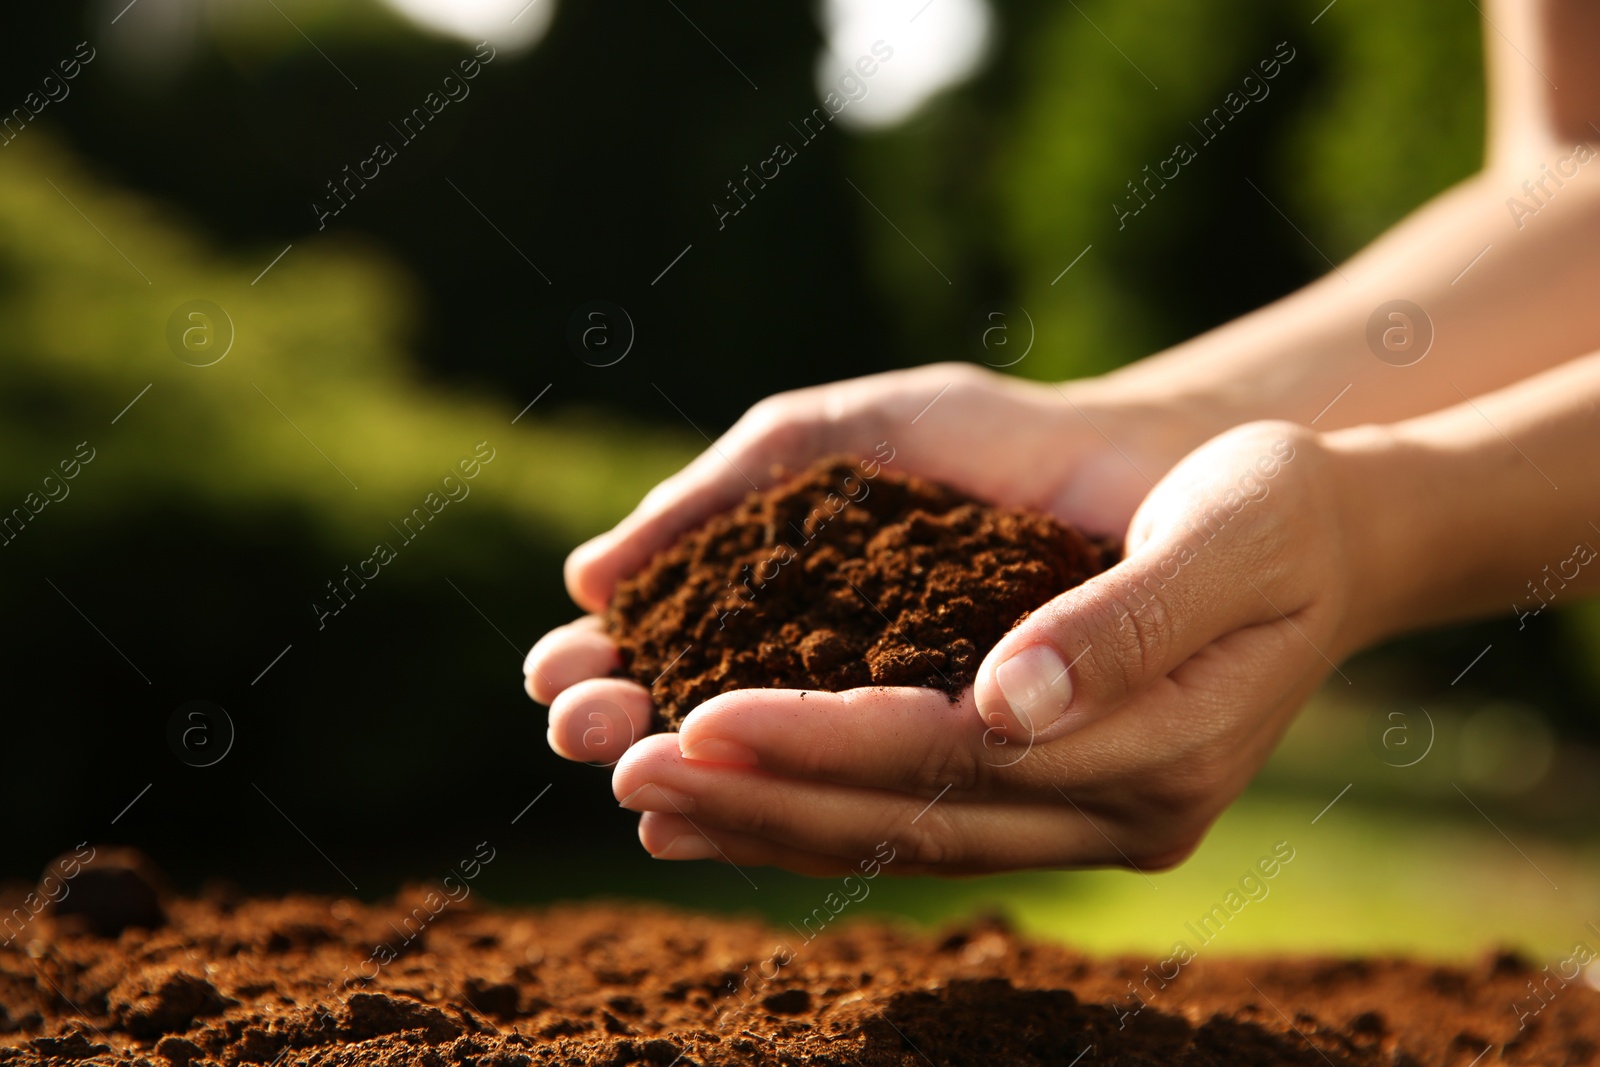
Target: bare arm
1486,507
1138,705
1526,305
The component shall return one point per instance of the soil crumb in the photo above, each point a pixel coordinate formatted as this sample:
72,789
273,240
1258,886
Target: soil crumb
309,981
845,575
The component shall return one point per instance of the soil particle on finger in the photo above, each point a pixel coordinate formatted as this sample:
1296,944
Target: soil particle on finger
592,985
845,575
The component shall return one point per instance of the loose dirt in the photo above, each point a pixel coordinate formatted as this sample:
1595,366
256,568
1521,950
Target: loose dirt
413,983
845,575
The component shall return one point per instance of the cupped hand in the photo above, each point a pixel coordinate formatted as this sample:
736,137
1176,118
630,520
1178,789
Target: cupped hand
999,438
1186,660
1110,728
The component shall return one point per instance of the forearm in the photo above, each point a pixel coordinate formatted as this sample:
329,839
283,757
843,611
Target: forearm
1485,507
1527,304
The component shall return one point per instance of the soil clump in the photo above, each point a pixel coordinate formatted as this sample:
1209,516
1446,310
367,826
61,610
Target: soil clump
845,575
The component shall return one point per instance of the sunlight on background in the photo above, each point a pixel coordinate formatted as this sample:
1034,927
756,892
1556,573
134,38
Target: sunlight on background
154,41
510,24
937,44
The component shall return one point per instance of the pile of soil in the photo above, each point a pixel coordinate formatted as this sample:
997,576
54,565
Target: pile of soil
302,981
845,575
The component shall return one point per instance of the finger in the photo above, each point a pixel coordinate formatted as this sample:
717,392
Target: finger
739,462
1226,729
1171,759
1187,580
676,837
596,721
940,832
911,740
568,655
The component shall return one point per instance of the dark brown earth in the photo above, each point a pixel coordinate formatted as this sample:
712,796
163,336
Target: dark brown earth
845,575
299,981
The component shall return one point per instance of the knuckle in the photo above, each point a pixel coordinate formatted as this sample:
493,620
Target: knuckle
1156,836
780,426
1142,636
1191,792
672,488
1164,856
759,819
768,406
963,374
953,379
1183,793
820,748
766,417
925,842
824,761
951,766
1152,636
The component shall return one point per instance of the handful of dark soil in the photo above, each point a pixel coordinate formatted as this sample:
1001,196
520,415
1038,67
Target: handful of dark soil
845,575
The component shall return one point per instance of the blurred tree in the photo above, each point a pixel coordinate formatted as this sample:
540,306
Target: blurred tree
1005,185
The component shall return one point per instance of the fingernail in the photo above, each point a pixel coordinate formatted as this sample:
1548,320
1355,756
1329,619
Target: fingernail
717,750
688,847
1035,684
652,797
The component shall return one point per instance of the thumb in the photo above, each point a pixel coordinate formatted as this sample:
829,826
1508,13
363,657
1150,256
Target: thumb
1084,653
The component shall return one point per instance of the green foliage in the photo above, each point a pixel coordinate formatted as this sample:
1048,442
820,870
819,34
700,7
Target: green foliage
1003,187
320,355
1090,119
202,544
1400,117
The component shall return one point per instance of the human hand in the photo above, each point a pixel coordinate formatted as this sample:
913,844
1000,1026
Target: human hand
1004,440
1111,727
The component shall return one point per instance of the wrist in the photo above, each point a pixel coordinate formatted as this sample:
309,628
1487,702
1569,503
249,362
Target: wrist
1141,413
1388,518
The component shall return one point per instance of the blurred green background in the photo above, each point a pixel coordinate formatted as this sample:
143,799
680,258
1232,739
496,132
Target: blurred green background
374,354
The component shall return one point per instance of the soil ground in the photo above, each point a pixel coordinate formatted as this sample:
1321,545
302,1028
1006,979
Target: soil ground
431,982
